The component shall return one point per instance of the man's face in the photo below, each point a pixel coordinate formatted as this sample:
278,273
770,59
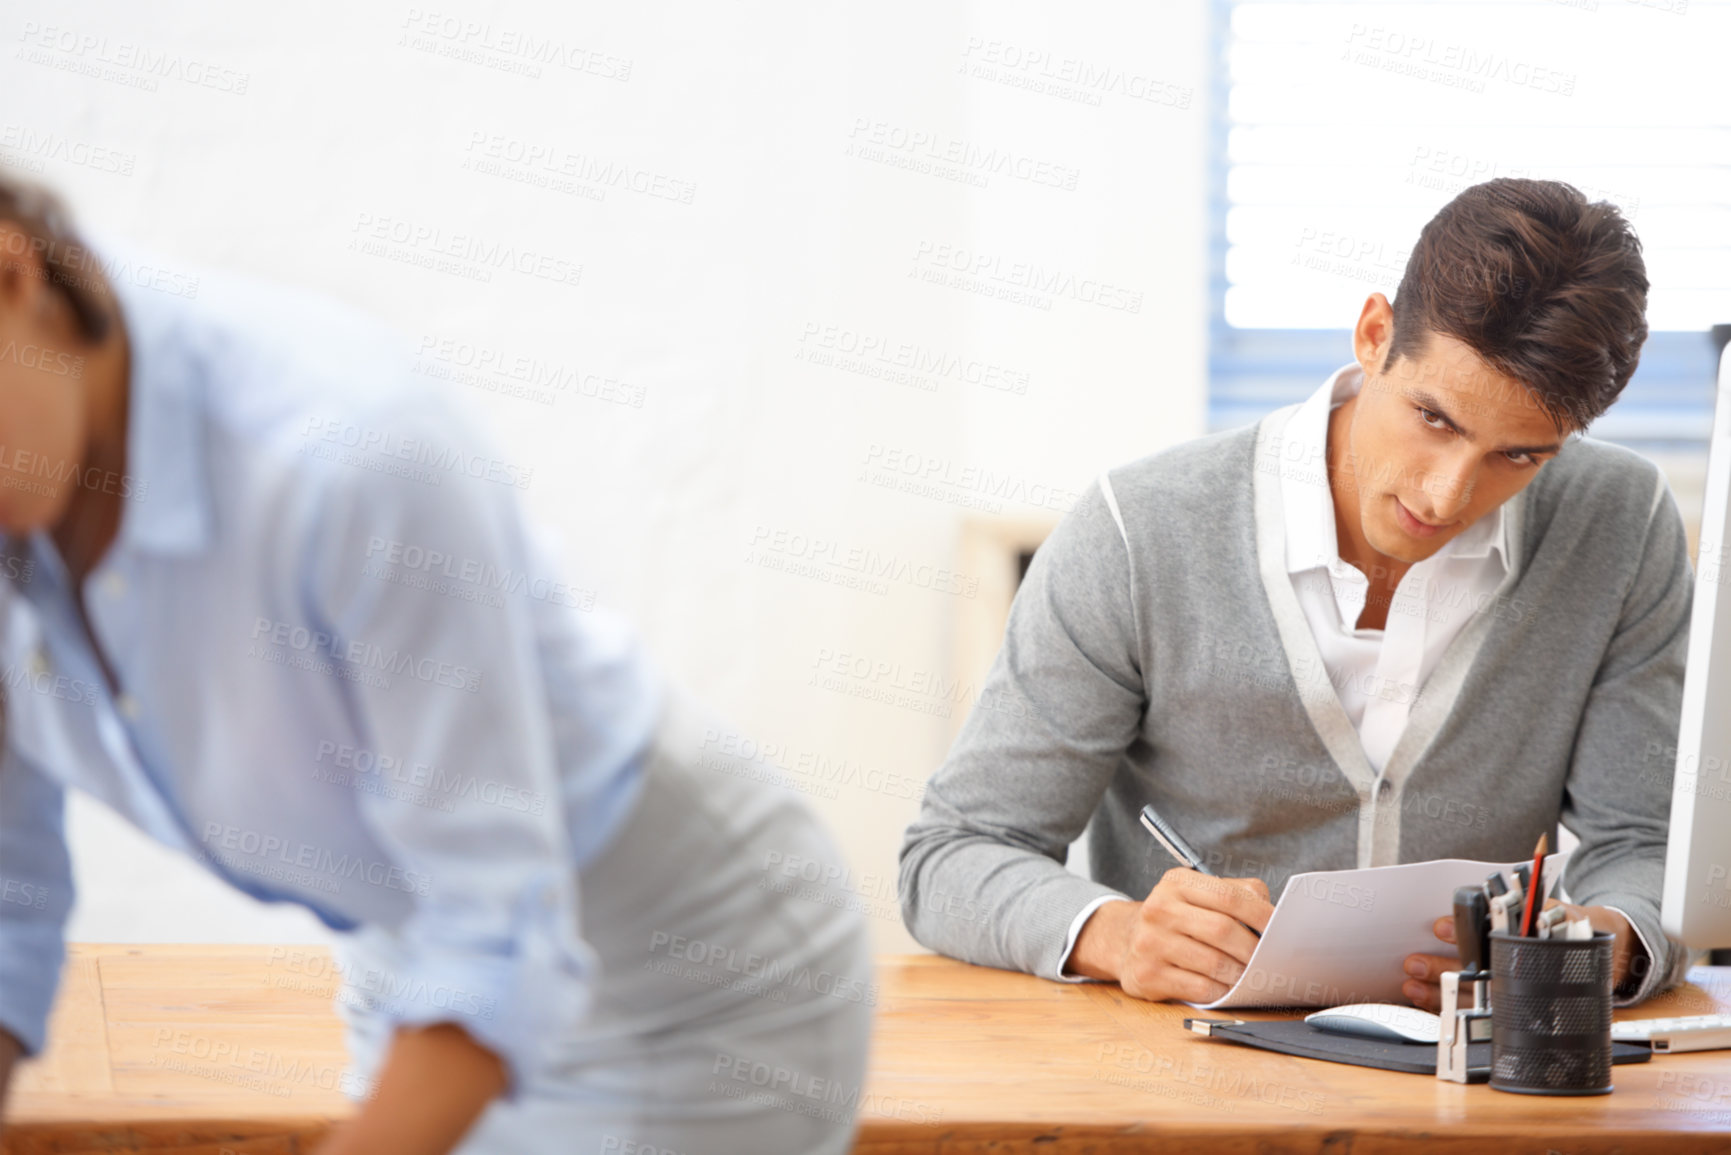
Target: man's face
1435,442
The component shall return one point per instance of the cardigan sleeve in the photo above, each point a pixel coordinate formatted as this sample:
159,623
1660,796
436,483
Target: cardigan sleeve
1618,795
982,866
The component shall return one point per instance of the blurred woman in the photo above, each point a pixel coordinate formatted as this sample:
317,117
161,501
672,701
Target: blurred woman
278,603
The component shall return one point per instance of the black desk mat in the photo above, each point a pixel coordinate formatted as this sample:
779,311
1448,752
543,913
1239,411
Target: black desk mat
1297,1037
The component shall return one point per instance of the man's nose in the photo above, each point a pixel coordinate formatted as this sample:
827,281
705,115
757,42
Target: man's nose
1449,485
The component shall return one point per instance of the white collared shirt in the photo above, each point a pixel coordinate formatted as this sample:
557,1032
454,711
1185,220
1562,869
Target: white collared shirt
1377,673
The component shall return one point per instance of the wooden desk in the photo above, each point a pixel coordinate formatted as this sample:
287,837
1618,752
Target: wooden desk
200,1050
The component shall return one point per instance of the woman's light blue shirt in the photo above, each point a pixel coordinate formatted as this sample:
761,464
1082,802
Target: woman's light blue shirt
348,673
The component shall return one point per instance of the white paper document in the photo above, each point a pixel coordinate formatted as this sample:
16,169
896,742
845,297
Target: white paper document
1340,936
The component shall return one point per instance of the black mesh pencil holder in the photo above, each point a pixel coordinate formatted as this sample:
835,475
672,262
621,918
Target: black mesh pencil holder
1551,1014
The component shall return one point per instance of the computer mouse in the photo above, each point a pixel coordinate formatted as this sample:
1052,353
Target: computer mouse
1389,1022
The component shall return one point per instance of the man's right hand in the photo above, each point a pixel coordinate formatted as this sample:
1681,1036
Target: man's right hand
1187,940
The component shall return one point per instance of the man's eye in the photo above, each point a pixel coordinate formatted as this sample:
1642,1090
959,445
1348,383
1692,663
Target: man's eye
1431,418
1521,458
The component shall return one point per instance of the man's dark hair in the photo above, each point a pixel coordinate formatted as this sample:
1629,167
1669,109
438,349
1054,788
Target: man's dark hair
70,267
1545,286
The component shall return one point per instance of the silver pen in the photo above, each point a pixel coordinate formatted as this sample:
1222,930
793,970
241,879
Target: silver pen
1173,841
1175,845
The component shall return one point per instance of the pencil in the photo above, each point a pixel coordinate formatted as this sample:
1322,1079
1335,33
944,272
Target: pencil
1536,890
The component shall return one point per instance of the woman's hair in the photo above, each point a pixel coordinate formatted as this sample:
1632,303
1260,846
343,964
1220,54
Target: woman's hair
71,267
1545,286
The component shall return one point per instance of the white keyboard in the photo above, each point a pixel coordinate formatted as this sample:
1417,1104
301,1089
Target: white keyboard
1689,1033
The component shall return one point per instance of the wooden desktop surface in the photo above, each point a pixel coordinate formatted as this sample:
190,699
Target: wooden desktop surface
236,1050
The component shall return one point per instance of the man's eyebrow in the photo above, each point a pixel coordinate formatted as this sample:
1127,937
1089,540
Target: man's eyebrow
1426,400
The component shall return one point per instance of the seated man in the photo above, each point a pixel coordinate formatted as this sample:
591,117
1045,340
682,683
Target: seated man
1418,616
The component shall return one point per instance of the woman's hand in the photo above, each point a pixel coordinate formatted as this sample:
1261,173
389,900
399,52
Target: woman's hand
9,1052
436,1082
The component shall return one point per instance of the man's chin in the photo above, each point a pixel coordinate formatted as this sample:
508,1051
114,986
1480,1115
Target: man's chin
1392,541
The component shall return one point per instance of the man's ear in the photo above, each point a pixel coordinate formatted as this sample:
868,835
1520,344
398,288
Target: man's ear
1373,334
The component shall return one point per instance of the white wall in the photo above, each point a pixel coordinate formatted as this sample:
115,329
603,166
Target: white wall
358,112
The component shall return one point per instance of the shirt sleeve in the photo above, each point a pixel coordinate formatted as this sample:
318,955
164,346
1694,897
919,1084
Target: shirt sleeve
982,865
1618,795
1076,925
35,899
446,674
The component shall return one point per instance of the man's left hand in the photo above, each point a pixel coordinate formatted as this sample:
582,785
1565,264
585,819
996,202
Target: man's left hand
1424,971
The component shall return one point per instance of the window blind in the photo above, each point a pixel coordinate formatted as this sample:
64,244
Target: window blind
1338,129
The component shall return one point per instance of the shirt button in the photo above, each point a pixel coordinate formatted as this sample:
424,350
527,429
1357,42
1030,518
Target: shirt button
1384,789
38,662
113,584
129,707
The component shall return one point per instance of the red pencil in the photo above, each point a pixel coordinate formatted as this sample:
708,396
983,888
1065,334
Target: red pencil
1535,892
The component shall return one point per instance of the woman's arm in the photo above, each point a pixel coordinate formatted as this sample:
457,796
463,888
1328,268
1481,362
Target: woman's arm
9,1052
37,869
435,1083
491,942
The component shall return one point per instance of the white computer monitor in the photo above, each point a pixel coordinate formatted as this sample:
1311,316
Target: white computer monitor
1697,904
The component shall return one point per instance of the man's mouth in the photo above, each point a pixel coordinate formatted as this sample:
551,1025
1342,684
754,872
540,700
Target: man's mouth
1413,525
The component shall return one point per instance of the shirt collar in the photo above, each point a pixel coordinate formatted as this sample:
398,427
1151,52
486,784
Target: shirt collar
1311,541
167,497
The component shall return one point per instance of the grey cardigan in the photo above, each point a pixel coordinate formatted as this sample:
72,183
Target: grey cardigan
1156,652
